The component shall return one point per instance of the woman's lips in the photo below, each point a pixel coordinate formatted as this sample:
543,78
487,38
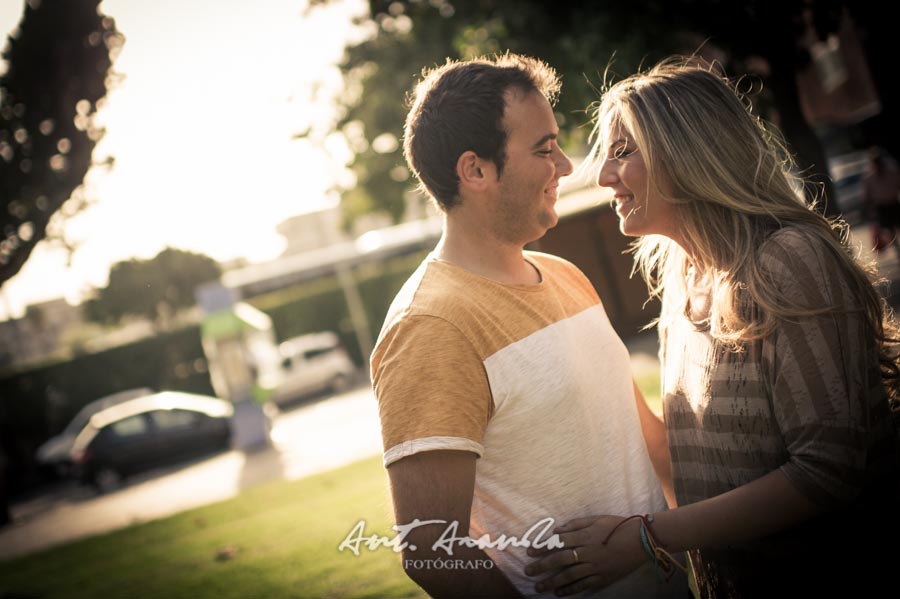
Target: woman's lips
623,204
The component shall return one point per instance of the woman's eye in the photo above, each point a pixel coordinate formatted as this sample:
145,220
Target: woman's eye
622,152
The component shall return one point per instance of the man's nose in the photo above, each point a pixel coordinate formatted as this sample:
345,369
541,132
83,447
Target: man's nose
563,165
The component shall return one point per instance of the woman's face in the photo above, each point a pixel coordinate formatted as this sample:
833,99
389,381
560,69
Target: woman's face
642,210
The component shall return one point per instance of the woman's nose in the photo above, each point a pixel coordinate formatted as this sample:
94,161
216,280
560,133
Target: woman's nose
607,175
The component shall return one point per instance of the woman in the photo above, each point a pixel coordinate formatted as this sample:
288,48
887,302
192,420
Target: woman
776,355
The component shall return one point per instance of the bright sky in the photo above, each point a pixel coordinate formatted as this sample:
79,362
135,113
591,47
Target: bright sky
201,132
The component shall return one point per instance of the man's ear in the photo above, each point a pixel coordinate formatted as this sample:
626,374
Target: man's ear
474,172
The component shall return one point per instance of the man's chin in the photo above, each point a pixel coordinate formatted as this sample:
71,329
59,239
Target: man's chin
546,224
550,220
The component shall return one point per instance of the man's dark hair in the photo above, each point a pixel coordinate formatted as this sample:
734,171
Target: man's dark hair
459,107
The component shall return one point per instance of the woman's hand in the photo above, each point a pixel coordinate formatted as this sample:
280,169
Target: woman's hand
585,562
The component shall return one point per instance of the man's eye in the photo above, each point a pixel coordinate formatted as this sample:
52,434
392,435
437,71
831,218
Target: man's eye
545,152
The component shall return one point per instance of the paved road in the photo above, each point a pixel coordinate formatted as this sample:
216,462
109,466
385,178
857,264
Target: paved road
312,438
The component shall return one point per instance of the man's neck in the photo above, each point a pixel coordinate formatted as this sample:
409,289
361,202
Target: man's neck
478,251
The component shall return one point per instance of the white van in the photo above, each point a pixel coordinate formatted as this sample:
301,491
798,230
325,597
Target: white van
313,363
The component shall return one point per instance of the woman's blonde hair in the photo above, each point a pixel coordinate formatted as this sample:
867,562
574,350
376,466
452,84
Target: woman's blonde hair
732,181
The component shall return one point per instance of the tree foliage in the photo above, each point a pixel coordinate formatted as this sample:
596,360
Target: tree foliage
154,289
580,38
57,72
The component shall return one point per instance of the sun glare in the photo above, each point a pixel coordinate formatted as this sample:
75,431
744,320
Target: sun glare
202,131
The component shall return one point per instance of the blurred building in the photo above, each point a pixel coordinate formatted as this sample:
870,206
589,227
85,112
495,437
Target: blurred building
322,228
310,231
293,268
587,235
39,333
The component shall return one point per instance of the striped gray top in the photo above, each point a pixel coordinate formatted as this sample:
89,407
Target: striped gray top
808,401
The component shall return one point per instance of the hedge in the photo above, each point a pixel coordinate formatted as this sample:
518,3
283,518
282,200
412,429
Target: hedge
38,403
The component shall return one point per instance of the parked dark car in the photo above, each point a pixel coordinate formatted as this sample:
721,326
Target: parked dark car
146,432
54,456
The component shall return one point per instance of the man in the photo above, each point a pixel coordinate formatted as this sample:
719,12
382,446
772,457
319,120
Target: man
505,395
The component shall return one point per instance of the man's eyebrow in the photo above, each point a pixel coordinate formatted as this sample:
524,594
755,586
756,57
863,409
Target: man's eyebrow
544,140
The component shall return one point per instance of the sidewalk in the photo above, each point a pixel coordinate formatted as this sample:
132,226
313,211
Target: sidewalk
315,437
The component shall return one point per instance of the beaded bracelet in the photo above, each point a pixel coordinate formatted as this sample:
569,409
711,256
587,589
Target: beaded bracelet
663,562
645,543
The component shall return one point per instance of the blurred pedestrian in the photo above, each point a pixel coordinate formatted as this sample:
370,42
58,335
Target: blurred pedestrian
881,197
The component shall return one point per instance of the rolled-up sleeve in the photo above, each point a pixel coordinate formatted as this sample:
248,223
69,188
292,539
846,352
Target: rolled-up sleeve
431,388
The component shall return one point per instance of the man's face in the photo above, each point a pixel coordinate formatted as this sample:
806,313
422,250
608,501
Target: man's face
523,208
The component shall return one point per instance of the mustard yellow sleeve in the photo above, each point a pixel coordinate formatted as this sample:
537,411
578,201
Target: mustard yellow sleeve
432,389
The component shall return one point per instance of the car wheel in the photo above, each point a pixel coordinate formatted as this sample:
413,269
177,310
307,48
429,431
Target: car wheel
107,479
340,382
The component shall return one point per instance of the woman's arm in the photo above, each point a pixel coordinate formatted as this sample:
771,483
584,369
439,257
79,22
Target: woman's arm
765,506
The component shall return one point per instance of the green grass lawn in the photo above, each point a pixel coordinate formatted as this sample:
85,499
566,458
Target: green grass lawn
277,540
648,383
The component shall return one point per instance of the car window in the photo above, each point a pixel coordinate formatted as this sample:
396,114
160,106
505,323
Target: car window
81,419
168,419
129,427
84,414
319,351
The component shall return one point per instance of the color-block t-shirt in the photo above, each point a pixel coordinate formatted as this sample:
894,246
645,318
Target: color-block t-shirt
531,378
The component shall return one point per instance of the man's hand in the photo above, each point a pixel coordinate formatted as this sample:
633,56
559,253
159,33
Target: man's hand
438,485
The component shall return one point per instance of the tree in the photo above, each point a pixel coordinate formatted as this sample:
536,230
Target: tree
762,38
57,72
154,289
